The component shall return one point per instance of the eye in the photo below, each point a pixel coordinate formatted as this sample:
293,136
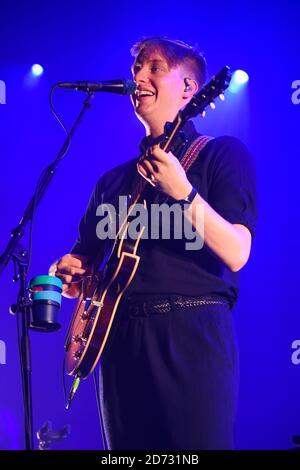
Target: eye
154,68
136,68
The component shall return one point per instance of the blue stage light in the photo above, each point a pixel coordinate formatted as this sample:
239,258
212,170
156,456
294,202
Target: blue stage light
238,81
37,70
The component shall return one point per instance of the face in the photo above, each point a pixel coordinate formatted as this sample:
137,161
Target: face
160,90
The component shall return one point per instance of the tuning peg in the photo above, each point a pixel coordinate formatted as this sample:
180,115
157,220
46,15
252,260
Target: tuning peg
221,96
212,105
203,114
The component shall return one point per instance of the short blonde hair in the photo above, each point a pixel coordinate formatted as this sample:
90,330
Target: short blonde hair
175,52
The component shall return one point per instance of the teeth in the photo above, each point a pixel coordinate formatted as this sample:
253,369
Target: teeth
144,93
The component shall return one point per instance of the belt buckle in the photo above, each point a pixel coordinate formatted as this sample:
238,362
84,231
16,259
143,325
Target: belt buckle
179,301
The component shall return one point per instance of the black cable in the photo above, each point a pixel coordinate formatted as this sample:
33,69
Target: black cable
55,113
26,418
99,411
60,122
31,220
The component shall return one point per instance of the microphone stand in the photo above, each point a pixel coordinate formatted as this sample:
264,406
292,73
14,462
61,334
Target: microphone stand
15,251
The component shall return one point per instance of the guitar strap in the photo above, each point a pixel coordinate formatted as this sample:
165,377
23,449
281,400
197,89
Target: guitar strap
193,151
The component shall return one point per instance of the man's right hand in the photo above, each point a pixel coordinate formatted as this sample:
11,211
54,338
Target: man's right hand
70,269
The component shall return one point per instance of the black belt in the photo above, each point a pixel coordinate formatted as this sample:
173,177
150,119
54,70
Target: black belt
147,307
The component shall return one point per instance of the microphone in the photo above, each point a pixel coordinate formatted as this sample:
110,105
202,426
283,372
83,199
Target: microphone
121,86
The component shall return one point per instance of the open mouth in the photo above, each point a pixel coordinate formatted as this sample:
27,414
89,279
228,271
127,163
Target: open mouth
140,94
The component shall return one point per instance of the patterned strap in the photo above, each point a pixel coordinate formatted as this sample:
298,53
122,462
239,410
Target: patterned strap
193,151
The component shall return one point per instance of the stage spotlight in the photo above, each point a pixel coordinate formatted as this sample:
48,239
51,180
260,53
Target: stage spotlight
37,70
238,81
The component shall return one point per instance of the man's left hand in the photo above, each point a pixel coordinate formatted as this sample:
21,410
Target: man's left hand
164,171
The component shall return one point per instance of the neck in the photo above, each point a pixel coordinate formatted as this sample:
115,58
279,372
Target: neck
154,131
156,127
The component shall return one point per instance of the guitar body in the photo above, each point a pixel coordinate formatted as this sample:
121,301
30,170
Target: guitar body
96,309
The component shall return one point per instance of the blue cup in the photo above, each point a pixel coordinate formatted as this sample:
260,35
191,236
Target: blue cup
45,293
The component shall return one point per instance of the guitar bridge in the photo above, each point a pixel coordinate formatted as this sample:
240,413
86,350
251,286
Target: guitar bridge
97,304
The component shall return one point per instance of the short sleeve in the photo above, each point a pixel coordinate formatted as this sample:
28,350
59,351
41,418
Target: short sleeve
232,192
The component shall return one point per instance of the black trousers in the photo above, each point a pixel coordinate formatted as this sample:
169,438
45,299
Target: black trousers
169,380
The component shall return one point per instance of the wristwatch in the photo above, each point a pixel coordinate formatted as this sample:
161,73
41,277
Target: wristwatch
189,199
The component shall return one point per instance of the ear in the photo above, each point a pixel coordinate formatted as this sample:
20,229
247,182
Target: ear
191,87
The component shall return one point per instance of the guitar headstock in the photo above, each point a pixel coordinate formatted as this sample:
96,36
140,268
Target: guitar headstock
206,96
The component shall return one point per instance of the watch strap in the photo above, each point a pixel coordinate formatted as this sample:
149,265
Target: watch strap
191,196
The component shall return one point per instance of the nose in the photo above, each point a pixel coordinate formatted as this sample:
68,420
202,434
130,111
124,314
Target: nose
141,76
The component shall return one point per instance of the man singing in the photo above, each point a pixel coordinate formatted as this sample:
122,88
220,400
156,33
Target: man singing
169,377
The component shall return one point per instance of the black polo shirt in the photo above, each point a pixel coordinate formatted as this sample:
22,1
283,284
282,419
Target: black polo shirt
224,175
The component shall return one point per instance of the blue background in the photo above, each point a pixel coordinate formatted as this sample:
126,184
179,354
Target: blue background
74,41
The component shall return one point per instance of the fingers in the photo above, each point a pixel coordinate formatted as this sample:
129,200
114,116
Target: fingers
146,167
66,269
71,290
142,170
159,168
159,154
70,268
72,262
150,169
66,279
78,261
